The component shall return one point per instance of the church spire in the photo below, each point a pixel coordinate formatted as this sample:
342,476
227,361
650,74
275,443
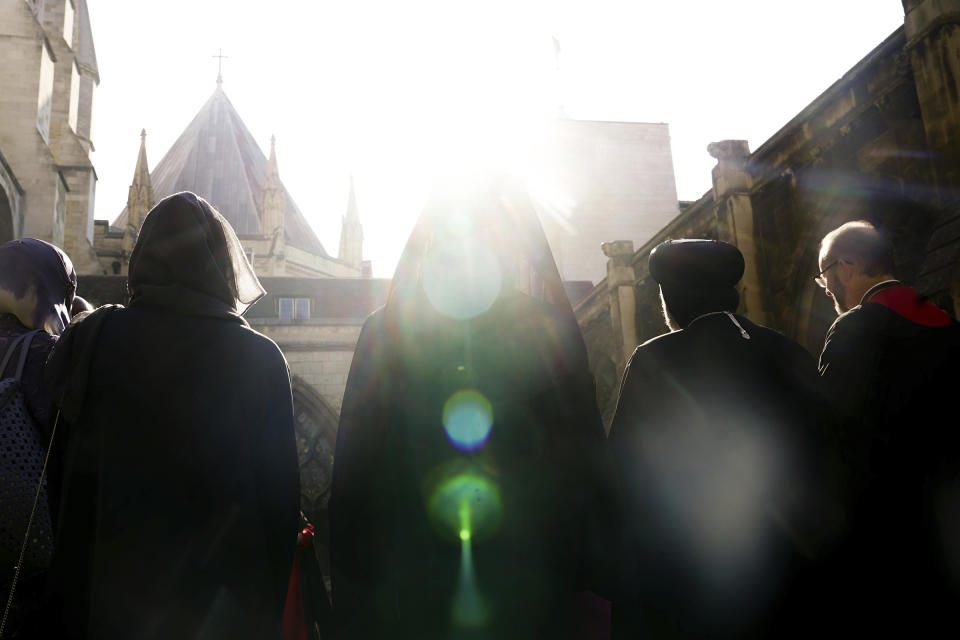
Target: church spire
139,197
351,232
273,207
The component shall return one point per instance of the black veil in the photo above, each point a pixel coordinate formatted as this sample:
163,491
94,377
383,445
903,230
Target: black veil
186,247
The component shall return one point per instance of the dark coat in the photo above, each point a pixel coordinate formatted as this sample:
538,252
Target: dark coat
712,436
398,572
179,510
890,367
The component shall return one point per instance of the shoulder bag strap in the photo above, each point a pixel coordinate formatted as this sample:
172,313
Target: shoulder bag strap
9,353
24,351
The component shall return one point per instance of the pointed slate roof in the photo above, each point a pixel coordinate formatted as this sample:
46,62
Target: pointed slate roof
218,159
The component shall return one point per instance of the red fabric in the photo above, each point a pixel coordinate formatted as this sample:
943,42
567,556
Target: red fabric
294,623
908,304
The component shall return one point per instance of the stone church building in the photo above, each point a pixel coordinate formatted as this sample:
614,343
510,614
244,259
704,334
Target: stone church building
217,157
882,143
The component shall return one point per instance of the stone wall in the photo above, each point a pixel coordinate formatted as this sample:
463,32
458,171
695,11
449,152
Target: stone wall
11,201
318,354
22,40
50,161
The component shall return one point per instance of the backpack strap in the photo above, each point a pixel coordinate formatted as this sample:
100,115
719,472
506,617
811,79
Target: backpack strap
9,353
24,350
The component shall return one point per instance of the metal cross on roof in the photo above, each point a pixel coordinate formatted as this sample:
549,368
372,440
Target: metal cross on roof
220,57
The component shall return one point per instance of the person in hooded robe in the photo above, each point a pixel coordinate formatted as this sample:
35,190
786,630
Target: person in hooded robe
469,472
715,437
37,289
180,497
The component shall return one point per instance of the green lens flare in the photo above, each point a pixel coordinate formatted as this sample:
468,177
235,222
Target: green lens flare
464,521
470,608
467,419
465,507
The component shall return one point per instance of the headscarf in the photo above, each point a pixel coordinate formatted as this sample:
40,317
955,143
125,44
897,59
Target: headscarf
188,257
37,284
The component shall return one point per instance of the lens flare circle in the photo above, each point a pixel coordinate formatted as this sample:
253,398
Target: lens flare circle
461,278
465,507
467,419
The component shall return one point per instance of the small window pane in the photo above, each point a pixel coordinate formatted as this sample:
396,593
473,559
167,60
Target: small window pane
286,309
303,309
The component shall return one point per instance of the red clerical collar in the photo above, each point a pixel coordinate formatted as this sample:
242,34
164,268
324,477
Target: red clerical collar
906,302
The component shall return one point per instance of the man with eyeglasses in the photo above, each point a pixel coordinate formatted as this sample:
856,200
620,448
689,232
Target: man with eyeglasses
889,365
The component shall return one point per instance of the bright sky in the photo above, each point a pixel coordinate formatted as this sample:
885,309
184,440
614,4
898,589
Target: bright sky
391,91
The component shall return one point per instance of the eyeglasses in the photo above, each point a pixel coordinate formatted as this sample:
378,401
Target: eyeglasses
819,279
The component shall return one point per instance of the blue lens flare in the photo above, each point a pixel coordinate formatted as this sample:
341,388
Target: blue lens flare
467,419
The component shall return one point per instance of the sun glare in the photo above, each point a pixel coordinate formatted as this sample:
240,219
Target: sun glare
393,93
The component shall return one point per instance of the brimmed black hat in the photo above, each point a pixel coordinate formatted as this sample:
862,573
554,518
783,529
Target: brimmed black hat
696,263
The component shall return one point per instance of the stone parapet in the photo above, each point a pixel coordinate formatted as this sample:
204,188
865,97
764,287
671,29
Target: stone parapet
925,16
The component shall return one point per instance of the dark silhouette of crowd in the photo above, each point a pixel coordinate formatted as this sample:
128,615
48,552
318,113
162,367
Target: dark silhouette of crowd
151,486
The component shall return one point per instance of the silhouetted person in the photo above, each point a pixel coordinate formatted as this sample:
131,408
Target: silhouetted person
712,436
890,366
468,469
180,503
37,286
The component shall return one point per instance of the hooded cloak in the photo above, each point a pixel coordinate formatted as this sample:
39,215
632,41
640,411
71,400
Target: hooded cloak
179,508
190,259
469,452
